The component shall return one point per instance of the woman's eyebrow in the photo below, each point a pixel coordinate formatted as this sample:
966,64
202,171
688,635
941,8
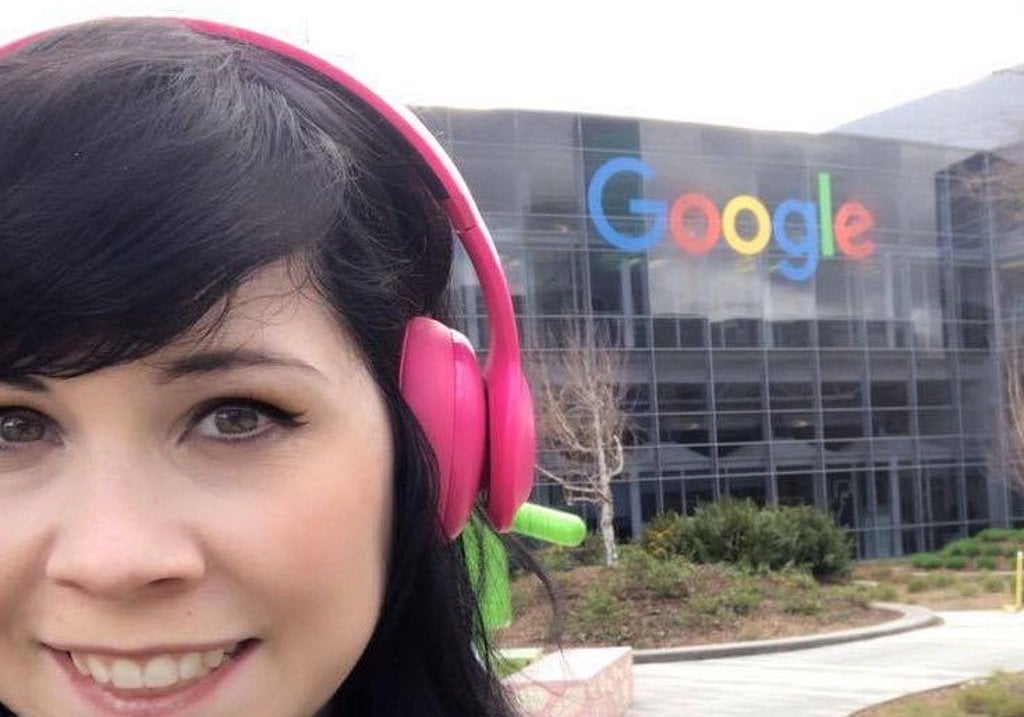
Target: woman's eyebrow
225,360
25,383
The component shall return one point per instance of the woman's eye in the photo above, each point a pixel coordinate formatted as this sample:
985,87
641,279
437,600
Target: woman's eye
236,420
23,426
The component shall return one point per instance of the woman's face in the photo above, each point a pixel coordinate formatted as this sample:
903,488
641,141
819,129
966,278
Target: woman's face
211,521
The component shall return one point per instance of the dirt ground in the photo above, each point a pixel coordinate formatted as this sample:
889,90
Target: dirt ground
645,621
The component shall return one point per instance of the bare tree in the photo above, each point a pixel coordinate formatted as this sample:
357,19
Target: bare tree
581,421
996,180
1013,419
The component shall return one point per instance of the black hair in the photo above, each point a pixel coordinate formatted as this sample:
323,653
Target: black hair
146,171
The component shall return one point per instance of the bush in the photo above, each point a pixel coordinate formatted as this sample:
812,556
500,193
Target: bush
884,592
808,603
955,562
965,547
926,561
661,537
999,697
996,535
987,562
600,612
740,533
742,598
643,573
560,559
938,581
556,559
993,549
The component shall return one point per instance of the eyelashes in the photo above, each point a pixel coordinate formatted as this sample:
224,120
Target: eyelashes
222,419
240,419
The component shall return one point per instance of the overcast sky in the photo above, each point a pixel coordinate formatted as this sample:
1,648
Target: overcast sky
772,64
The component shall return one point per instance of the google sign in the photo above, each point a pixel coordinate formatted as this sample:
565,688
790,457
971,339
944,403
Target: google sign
816,233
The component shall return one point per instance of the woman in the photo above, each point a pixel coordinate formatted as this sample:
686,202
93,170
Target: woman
215,496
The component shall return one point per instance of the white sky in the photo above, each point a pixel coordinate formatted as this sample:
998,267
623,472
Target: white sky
801,65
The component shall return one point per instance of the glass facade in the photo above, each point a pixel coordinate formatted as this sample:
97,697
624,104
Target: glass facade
867,385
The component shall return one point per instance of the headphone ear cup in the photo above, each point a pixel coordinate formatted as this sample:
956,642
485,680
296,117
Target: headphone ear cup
441,382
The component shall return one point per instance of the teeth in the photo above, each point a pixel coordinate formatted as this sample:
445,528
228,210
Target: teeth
99,671
160,672
157,671
190,666
213,658
80,664
126,674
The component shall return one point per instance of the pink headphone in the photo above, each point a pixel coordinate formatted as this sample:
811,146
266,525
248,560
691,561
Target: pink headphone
479,423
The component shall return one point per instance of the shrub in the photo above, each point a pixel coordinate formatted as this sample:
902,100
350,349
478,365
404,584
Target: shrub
926,561
560,559
996,535
600,611
807,603
987,562
743,597
556,559
993,549
884,592
705,609
661,537
815,542
965,547
643,573
740,533
939,581
998,696
955,562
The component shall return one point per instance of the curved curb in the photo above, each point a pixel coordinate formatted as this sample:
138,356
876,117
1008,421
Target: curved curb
913,617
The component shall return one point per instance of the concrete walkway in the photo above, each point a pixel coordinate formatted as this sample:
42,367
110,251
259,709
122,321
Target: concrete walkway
837,680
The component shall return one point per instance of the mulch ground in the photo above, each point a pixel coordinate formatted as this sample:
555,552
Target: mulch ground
651,622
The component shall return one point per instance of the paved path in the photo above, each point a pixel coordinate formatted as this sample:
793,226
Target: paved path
833,681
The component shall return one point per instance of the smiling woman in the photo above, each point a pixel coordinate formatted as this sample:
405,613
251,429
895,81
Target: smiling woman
220,492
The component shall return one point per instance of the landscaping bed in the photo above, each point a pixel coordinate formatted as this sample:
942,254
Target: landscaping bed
731,572
992,549
937,589
649,603
999,696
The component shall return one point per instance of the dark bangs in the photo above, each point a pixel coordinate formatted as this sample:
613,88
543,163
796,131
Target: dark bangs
146,171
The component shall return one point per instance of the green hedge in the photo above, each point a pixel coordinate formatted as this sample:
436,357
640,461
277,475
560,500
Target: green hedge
741,533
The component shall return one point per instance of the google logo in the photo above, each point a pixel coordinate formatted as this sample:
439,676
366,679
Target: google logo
803,230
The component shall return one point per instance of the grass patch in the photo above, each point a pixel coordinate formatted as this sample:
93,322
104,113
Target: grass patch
1001,695
926,561
987,562
955,562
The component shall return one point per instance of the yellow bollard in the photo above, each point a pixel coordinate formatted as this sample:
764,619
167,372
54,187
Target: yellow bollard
1018,592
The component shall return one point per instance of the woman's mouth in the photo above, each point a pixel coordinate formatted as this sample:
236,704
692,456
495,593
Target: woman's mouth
153,684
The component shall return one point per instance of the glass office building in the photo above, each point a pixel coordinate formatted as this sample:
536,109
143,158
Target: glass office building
804,318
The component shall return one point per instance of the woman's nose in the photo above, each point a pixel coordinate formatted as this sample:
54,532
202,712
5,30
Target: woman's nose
119,537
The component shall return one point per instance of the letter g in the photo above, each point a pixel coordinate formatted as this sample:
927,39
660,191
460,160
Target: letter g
650,207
